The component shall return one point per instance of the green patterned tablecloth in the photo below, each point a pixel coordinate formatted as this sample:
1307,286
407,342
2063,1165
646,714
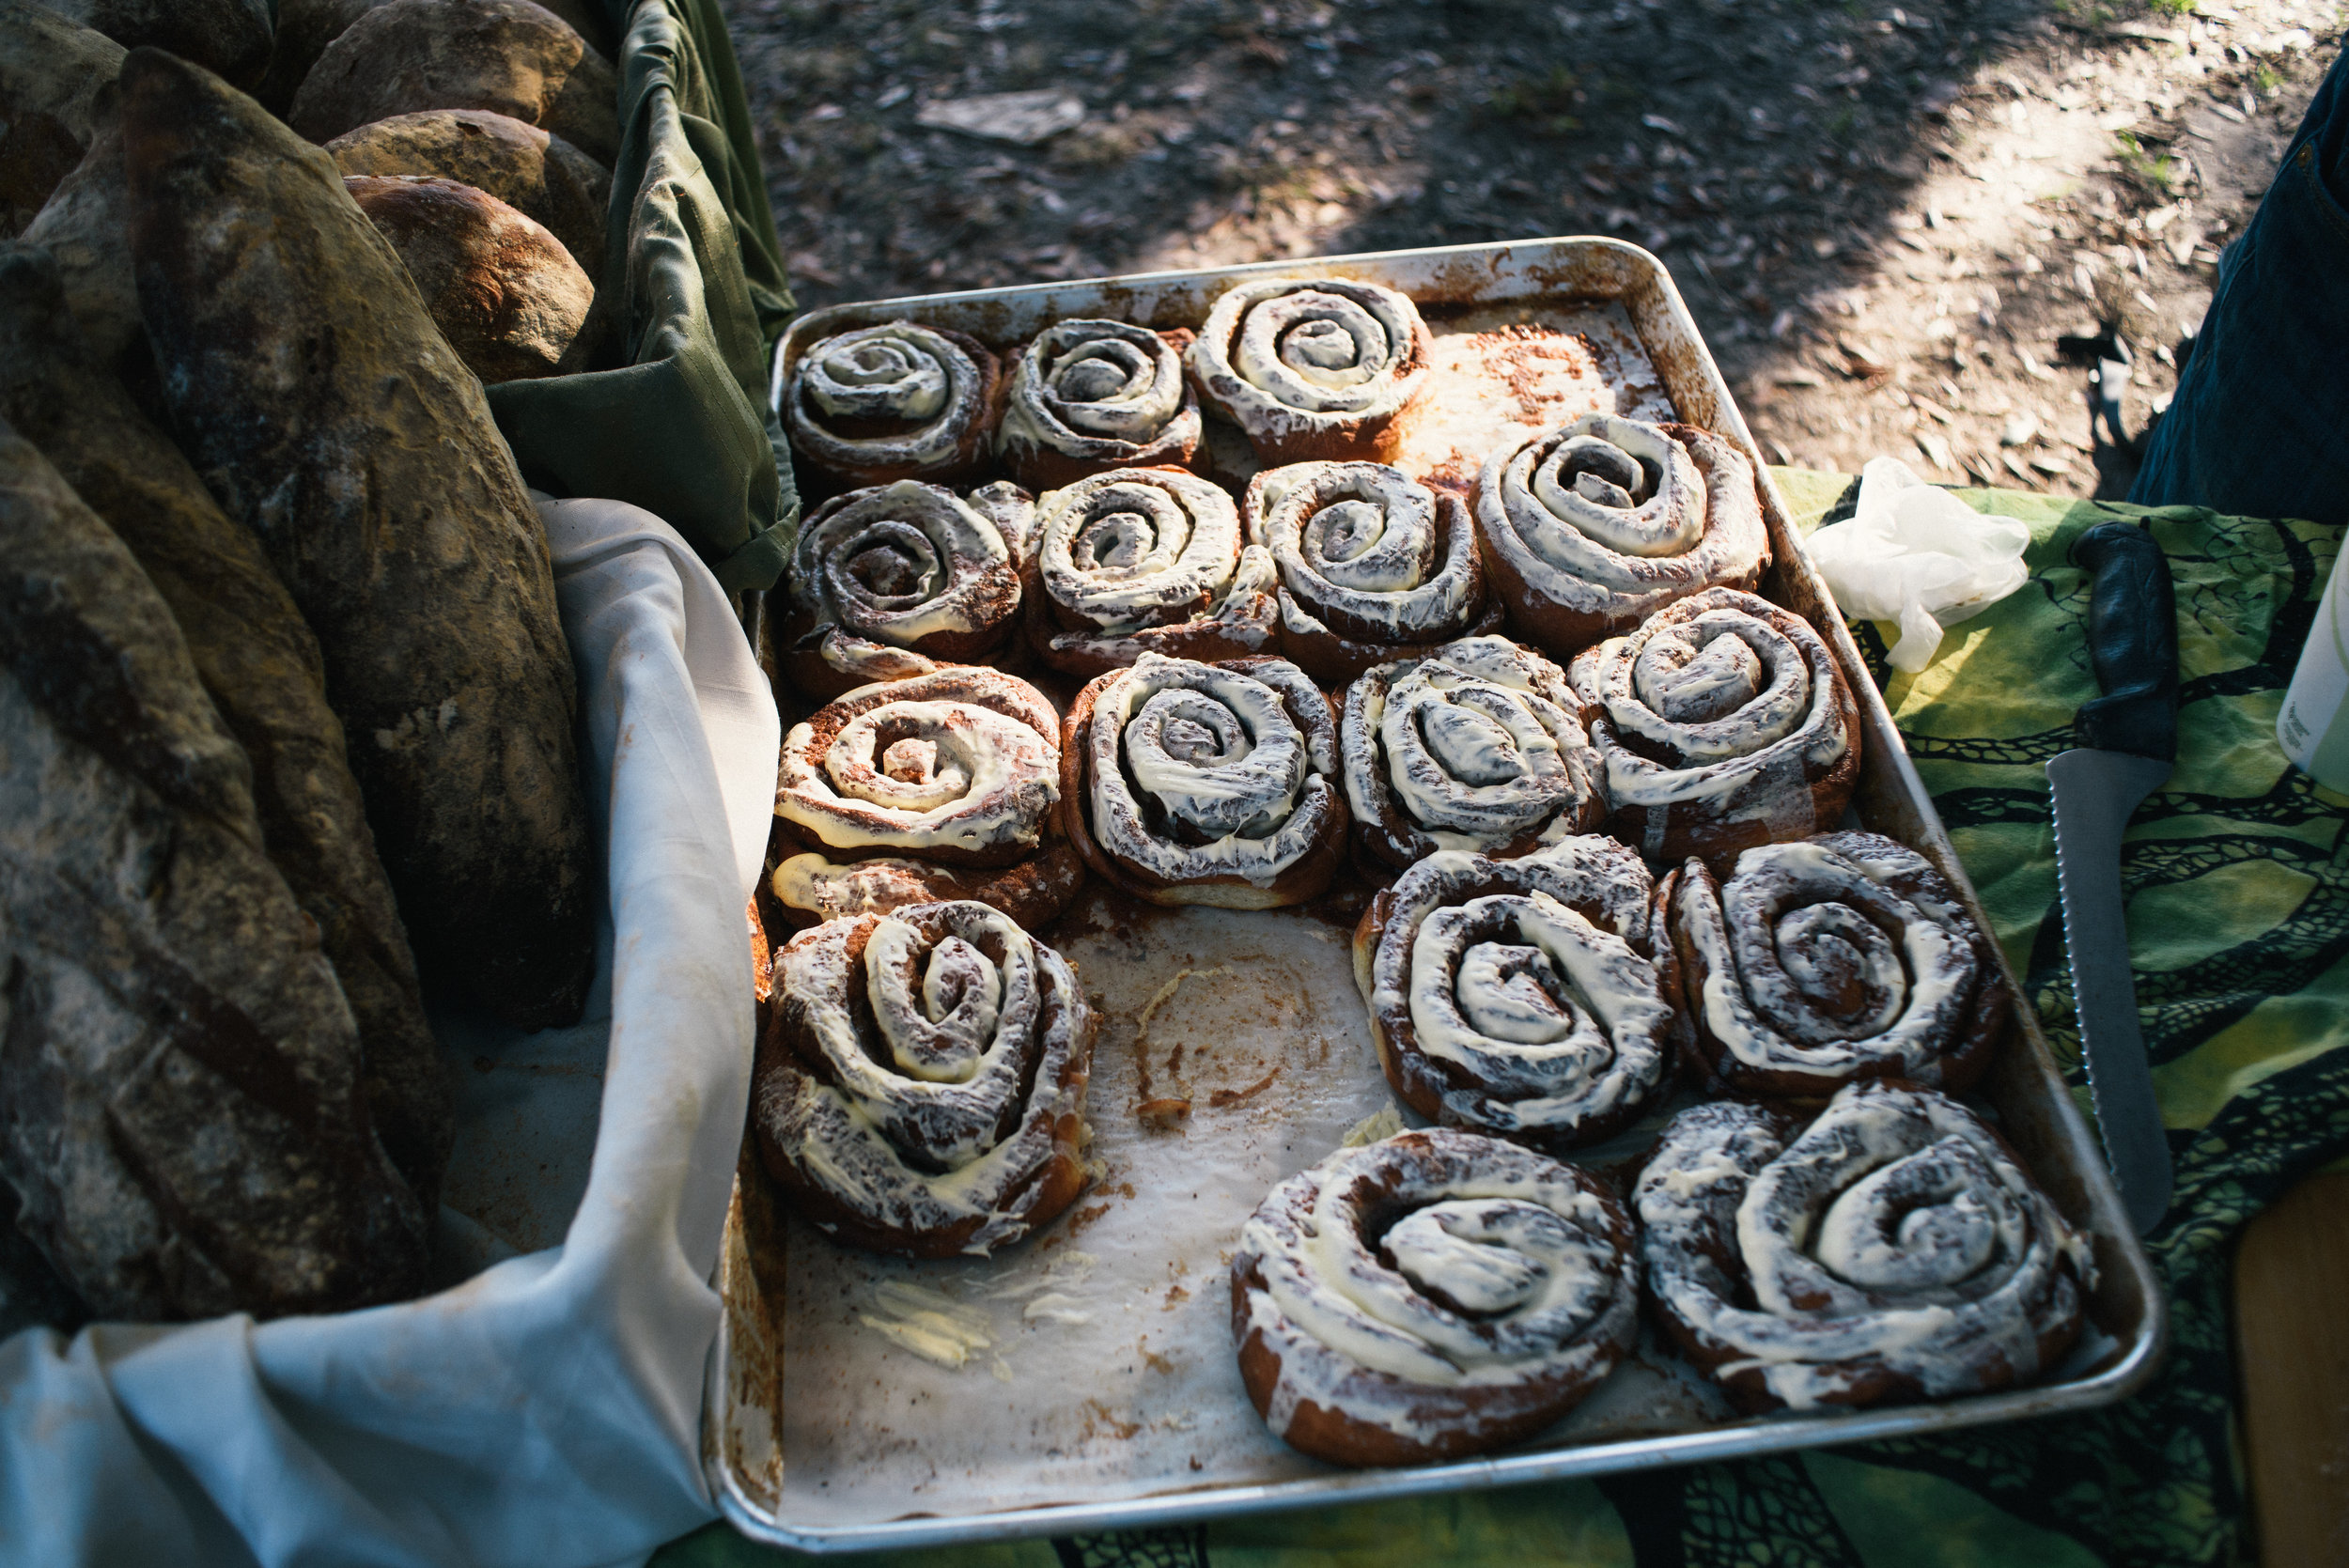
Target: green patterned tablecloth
2238,928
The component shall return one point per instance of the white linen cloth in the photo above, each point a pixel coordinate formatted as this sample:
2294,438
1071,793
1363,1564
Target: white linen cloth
1916,555
545,1411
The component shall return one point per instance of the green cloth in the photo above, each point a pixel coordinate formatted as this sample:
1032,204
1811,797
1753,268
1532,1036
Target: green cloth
2239,929
693,294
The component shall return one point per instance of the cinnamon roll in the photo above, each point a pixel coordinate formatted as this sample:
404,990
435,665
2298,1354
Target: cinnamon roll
1372,564
1844,956
1894,1249
1592,527
1187,783
1477,745
1146,560
958,768
920,1086
896,401
1089,394
812,887
1313,368
895,580
1530,999
1722,722
1430,1296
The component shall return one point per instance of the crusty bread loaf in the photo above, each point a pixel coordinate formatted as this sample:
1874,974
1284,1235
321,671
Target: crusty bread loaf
503,290
86,228
52,76
33,1295
260,665
305,28
328,414
541,176
231,38
509,56
180,1109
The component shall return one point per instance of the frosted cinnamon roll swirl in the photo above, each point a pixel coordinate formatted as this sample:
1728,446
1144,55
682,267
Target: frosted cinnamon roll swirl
895,580
920,1087
1895,1249
1186,782
1846,957
1312,368
1374,565
896,401
1146,560
1722,722
1529,999
812,887
1430,1296
1591,527
1477,745
1088,394
958,768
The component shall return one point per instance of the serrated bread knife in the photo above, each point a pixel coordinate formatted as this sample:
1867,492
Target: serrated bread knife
2127,739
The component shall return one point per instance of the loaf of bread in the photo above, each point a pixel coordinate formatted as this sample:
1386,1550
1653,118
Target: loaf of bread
32,1294
260,666
86,228
509,56
327,413
231,38
503,290
52,74
181,1115
305,28
541,176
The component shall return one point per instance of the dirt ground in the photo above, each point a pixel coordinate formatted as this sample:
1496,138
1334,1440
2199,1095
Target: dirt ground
1882,216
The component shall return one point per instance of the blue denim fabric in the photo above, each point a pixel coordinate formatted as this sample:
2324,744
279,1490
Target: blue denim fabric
2260,426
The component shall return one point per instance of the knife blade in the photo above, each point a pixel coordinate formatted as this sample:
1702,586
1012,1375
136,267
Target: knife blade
2127,739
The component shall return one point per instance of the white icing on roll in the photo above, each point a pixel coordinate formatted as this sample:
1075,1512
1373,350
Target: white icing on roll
1606,520
961,764
1508,998
1137,548
889,568
1810,962
1586,493
1895,1248
897,371
932,1056
1200,772
1740,700
1528,999
1361,552
1289,356
830,891
1440,1288
1478,746
1101,392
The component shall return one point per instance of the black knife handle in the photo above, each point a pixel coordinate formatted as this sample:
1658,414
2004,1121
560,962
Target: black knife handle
2133,639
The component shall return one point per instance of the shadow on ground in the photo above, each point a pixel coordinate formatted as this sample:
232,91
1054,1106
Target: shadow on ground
1786,158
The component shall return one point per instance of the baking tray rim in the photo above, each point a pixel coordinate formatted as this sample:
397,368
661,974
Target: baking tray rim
1774,1433
823,317
1744,1439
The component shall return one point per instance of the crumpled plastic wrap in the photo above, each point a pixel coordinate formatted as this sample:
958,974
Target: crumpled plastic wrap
1916,555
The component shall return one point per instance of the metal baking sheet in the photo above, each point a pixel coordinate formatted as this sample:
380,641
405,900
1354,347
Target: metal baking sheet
1095,1387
